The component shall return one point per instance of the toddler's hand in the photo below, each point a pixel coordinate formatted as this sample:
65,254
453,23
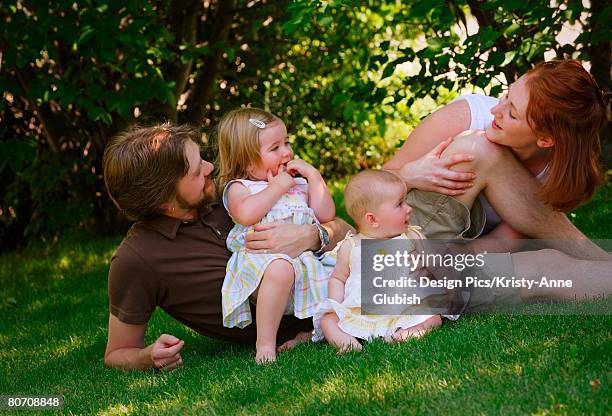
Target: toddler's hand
282,179
303,168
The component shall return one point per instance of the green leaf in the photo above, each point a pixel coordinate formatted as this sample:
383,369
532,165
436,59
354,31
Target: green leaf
325,21
435,44
511,30
388,71
290,26
422,8
482,80
348,111
496,91
231,54
87,33
508,57
495,58
488,36
339,98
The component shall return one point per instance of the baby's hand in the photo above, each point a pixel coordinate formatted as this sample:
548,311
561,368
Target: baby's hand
303,168
282,179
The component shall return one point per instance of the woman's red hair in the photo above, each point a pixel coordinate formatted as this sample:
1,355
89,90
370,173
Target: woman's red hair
566,104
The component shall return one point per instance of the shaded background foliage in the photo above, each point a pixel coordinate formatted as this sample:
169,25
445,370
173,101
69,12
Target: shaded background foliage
349,77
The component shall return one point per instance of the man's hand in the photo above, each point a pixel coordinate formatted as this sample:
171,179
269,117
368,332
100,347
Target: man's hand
125,348
165,352
289,239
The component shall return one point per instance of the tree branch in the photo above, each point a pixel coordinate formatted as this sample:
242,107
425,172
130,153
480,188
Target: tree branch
600,68
182,19
485,18
201,92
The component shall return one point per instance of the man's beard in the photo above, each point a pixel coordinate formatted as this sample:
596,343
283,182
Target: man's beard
207,198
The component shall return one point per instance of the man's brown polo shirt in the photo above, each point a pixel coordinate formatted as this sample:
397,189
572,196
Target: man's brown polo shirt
179,266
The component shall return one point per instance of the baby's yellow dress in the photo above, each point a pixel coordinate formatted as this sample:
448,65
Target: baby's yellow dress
351,320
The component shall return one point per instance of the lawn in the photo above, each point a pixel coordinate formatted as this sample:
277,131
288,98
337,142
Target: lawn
54,311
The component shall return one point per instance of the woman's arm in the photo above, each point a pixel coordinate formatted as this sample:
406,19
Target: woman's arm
443,123
419,161
319,198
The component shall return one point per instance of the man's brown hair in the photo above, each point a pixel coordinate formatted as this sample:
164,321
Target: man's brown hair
143,165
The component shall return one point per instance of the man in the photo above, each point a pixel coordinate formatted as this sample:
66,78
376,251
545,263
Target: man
174,256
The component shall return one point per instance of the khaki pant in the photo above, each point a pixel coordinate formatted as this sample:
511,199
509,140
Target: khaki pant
442,217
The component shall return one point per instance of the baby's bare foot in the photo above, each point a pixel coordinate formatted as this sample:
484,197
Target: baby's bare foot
265,354
346,344
402,334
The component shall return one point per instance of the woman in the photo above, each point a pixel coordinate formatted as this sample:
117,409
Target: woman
550,120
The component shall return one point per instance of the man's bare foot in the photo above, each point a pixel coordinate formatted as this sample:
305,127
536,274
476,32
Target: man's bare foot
300,338
265,354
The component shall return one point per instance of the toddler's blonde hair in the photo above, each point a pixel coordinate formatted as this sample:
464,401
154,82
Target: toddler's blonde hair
366,190
238,142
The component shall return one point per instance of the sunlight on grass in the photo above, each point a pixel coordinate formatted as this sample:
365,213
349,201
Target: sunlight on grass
36,305
116,410
144,383
179,404
54,308
63,263
68,346
82,260
330,388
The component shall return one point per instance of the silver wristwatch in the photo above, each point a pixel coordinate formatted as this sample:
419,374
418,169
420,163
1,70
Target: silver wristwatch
324,237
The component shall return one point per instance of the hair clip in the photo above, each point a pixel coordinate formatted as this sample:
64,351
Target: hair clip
257,123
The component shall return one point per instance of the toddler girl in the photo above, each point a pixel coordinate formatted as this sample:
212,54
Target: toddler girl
376,202
257,171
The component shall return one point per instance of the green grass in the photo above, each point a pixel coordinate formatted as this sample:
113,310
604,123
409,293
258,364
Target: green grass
53,309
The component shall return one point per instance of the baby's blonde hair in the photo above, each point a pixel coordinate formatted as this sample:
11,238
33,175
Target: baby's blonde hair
238,141
366,190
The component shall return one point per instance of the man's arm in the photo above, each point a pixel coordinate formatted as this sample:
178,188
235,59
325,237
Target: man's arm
293,239
125,348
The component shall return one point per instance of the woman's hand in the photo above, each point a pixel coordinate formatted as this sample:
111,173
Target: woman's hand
432,172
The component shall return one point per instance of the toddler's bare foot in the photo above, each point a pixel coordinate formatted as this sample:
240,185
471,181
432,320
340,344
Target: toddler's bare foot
300,338
265,354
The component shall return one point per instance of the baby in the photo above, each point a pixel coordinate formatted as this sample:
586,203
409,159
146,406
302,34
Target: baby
375,200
